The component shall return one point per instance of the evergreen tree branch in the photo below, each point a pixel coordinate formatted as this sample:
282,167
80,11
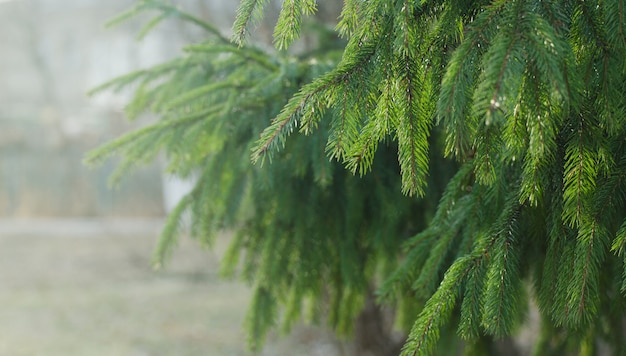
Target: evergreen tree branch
251,54
349,17
552,292
587,24
469,325
289,21
615,22
202,92
402,277
341,131
384,119
147,28
619,243
583,291
174,11
103,152
167,10
306,105
361,156
542,124
170,232
425,333
414,127
261,316
503,286
146,75
413,133
430,271
438,309
619,246
593,240
525,91
249,11
501,78
580,174
459,83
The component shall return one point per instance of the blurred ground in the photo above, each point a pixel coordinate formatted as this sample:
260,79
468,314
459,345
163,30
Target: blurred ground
85,287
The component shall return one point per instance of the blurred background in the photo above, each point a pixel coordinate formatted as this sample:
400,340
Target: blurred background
75,254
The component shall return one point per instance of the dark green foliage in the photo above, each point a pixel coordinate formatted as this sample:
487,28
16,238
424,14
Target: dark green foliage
526,95
530,96
305,234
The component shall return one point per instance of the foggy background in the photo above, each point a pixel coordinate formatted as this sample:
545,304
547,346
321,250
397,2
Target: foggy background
52,52
75,255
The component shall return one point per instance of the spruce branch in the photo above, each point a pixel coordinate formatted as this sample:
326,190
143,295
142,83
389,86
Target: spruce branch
426,282
538,139
453,101
202,92
349,17
404,275
503,285
103,152
459,83
413,132
425,333
143,76
456,187
274,135
140,152
166,10
412,91
615,21
289,21
251,54
381,123
307,105
500,80
586,24
187,17
523,91
341,131
470,321
592,242
619,243
438,309
128,14
147,28
618,247
170,232
547,50
448,232
261,316
361,155
584,290
579,178
249,13
487,154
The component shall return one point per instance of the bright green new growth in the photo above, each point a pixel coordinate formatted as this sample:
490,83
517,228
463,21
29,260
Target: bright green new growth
528,97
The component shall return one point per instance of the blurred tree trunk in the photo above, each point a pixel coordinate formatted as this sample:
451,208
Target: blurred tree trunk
373,331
